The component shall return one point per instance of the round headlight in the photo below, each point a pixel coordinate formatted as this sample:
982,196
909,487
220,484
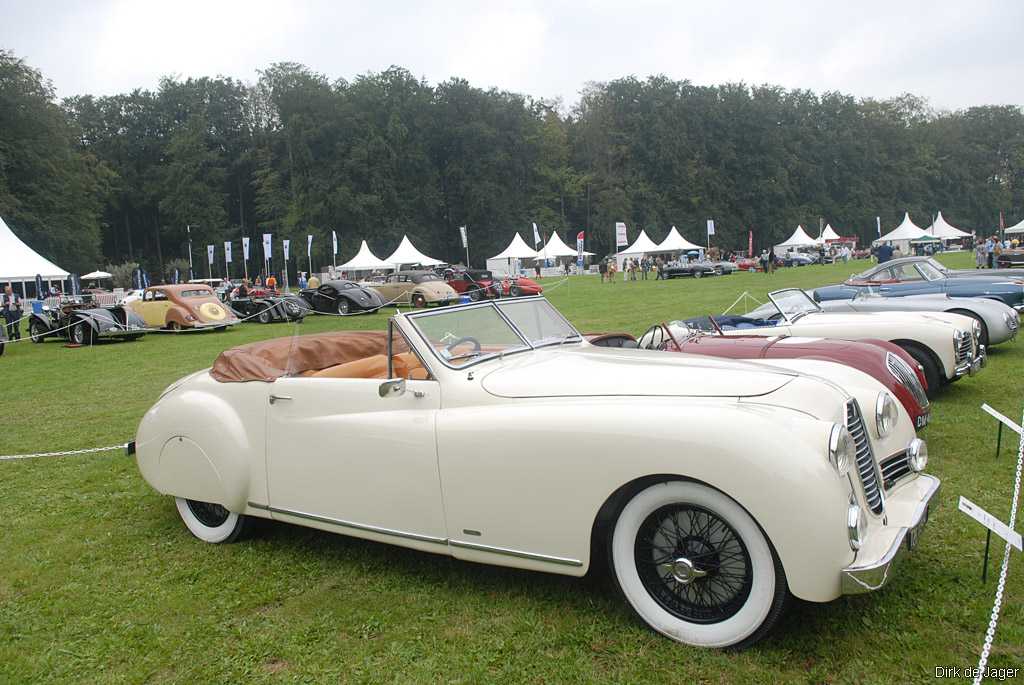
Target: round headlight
841,450
917,455
976,328
856,525
886,414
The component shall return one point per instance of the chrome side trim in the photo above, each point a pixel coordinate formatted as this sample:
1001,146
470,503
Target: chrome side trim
356,526
516,553
855,580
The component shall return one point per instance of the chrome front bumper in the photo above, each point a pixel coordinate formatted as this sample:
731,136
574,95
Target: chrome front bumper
975,365
872,575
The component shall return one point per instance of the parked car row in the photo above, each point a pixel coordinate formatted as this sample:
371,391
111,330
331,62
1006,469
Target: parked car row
707,536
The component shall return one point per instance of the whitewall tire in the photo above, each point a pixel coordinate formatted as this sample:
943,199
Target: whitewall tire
696,567
210,522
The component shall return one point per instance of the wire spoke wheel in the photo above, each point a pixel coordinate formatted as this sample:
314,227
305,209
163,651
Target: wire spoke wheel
693,563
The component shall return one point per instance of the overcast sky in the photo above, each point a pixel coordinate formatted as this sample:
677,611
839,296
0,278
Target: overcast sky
956,54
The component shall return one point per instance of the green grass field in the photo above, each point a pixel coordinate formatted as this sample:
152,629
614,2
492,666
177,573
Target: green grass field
100,581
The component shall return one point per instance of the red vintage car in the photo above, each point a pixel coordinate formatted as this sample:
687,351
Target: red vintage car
748,263
476,284
882,360
517,286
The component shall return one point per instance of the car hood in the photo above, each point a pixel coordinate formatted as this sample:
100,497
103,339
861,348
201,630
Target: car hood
437,289
588,371
884,318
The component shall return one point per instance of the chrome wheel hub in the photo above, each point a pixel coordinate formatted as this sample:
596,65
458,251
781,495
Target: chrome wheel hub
683,570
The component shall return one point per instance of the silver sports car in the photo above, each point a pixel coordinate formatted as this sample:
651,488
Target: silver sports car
999,321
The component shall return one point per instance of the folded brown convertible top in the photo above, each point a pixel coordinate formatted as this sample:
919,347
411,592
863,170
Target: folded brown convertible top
271,359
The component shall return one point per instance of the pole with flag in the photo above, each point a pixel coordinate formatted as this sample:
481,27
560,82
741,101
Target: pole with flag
579,251
227,260
334,241
1002,225
711,231
245,255
878,225
268,247
286,244
188,230
209,260
536,236
465,243
750,243
309,253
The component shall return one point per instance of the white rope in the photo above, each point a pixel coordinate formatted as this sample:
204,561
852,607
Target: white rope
743,296
990,633
89,450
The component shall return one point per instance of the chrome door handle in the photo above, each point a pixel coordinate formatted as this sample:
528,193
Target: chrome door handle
277,398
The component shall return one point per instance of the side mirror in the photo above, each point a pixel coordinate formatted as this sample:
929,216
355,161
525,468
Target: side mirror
392,388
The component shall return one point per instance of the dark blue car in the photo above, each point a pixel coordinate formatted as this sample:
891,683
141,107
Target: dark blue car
917,276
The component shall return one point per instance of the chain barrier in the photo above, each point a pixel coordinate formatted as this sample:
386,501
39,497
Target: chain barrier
65,453
997,604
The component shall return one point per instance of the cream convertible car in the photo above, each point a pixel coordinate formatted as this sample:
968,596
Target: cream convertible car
492,432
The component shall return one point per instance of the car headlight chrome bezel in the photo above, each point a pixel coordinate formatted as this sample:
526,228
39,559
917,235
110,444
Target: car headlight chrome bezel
842,452
917,455
856,525
886,414
976,330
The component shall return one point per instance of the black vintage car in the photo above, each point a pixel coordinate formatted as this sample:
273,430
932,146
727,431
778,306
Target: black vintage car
268,307
342,297
682,269
84,324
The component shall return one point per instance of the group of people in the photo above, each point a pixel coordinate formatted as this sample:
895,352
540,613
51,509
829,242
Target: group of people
987,251
633,269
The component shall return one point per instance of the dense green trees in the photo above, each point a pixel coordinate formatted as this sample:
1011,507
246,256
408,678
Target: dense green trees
386,154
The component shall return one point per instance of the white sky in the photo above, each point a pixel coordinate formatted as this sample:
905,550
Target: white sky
956,54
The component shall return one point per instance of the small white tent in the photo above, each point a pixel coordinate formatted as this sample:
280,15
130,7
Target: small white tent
675,242
642,245
517,249
408,254
19,262
901,236
942,229
1016,228
829,234
365,260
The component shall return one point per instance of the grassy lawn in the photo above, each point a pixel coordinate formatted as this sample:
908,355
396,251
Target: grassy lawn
100,581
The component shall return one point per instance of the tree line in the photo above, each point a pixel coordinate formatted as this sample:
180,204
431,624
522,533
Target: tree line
90,180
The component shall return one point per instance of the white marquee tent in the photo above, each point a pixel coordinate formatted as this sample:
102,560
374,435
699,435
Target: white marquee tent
517,249
408,254
942,229
556,248
829,234
675,242
1016,228
19,262
642,245
906,231
365,260
798,239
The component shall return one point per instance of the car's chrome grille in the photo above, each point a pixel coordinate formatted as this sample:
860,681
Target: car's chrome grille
964,349
865,456
1013,322
902,372
894,468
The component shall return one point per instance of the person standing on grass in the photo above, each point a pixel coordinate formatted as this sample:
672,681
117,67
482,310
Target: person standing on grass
271,282
979,255
11,305
602,269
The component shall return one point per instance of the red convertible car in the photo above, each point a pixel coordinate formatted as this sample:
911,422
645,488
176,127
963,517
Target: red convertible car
882,360
519,286
476,284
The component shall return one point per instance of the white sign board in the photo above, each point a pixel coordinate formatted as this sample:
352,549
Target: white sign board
991,522
711,226
465,243
620,234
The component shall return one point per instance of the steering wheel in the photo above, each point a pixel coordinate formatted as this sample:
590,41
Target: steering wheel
464,339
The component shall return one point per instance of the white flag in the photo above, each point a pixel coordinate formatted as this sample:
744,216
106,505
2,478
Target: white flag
620,234
711,226
227,250
465,242
334,237
209,254
286,244
267,246
245,248
536,236
878,225
309,247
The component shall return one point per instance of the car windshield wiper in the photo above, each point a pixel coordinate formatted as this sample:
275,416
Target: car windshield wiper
468,355
543,342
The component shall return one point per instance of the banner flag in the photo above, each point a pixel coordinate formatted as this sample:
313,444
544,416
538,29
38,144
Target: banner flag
579,249
245,248
334,239
267,246
145,279
209,254
750,243
711,226
620,234
76,285
465,241
176,276
227,251
136,279
536,236
287,243
309,247
878,225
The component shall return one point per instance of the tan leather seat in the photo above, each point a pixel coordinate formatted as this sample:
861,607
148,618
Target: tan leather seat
405,365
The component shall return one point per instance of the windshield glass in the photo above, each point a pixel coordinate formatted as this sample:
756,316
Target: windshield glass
937,265
196,293
539,322
793,303
864,275
464,335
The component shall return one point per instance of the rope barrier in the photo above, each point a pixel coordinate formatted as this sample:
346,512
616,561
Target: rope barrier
65,453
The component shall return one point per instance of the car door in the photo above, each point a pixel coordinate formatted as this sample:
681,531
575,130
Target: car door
153,308
390,288
340,455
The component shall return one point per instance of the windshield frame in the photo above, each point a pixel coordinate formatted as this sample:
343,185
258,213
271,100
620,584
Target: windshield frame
922,268
800,315
527,346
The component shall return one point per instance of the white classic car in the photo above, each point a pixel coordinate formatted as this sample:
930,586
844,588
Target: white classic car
493,432
946,345
999,321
